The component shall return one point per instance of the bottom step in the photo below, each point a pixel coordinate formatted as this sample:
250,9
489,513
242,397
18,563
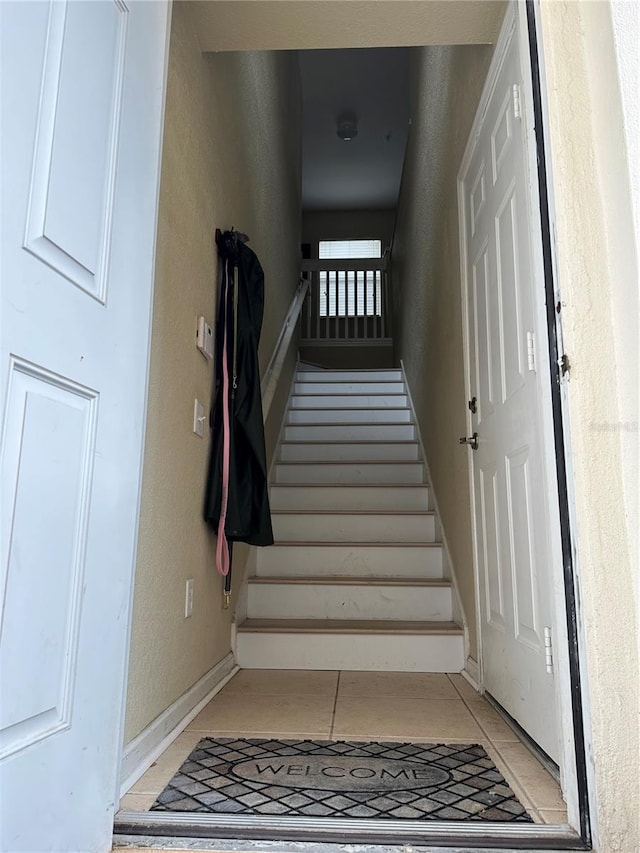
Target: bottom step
333,644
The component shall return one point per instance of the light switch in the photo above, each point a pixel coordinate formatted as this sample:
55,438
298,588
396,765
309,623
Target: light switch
204,338
198,418
188,599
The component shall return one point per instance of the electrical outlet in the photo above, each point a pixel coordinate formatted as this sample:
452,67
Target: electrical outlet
188,599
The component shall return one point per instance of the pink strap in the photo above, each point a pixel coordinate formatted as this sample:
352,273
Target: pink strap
222,547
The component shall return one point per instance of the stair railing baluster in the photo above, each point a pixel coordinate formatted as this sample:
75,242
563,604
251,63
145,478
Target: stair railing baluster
348,301
383,306
375,306
356,311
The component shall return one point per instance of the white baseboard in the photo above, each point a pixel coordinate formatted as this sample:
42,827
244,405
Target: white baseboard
144,749
471,673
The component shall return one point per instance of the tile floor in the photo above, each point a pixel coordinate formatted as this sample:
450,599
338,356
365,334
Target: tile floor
368,706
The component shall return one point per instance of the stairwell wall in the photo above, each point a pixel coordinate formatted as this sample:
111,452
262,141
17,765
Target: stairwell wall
231,157
347,225
446,86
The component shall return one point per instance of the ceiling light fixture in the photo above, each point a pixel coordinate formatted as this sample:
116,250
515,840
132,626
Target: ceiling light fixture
347,127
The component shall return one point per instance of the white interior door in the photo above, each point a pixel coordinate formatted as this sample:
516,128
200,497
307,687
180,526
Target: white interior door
82,105
511,494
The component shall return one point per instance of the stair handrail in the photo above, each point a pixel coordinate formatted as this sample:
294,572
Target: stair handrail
271,376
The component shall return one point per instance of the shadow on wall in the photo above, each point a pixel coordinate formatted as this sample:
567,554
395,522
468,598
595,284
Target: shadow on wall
360,357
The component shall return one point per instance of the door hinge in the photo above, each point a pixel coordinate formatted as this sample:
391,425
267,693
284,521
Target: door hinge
548,649
531,351
565,365
517,106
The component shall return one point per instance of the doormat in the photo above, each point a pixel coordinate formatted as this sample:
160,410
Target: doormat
314,778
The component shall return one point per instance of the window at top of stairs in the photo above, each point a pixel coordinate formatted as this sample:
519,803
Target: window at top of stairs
329,249
350,294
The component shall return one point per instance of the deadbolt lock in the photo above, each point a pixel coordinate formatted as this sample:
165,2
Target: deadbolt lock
472,442
473,405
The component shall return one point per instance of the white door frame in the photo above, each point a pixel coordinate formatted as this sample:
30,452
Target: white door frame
573,691
147,323
571,741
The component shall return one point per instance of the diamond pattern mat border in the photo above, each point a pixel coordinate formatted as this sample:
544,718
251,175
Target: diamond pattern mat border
314,778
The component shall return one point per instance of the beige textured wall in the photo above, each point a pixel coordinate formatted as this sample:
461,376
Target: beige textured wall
597,264
446,83
309,24
347,225
231,158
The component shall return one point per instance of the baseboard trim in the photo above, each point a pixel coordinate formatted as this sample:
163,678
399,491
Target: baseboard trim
146,747
471,673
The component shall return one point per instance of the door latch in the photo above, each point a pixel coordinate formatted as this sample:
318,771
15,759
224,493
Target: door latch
472,442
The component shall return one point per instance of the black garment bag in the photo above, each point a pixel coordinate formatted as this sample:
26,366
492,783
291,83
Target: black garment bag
240,311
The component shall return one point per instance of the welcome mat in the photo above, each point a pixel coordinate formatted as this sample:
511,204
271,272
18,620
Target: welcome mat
341,779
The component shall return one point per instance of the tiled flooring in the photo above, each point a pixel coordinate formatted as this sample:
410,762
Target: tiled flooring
368,706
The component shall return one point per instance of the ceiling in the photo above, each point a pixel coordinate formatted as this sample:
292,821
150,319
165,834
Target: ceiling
373,86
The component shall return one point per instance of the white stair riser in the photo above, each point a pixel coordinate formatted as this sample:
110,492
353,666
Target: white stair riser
397,653
351,432
357,561
324,601
349,452
349,497
349,388
348,401
353,528
349,416
349,375
350,472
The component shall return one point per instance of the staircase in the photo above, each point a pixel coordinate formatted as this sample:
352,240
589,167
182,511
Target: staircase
355,578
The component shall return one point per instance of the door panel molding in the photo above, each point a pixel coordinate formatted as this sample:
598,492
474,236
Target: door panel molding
45,415
69,222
